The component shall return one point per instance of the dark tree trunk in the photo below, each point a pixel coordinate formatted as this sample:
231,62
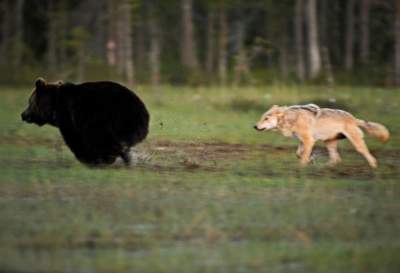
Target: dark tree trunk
240,54
81,54
313,43
52,38
299,40
100,31
120,42
155,49
349,56
62,29
19,33
5,32
364,38
330,80
397,44
210,59
111,43
127,42
188,51
140,45
283,59
124,50
323,21
222,47
335,31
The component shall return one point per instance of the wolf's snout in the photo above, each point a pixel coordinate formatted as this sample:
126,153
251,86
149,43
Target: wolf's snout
255,127
258,129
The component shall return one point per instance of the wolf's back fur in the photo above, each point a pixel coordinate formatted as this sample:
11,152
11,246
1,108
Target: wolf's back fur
313,108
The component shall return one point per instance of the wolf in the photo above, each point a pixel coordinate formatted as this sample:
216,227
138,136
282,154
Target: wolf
310,123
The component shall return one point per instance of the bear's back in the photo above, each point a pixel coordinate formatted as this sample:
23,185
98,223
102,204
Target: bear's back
106,93
103,95
112,103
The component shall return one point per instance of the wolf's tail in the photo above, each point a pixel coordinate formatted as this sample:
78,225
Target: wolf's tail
374,129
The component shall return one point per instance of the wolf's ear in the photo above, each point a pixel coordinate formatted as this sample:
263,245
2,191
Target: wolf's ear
280,110
40,82
274,107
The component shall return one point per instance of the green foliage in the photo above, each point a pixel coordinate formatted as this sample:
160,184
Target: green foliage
78,38
268,27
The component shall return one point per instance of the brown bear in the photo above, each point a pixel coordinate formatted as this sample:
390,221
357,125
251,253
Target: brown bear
99,121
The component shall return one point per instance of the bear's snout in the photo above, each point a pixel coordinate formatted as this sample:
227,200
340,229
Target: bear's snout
25,117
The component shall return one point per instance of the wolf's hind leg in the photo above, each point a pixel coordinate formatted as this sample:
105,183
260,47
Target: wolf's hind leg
355,136
331,146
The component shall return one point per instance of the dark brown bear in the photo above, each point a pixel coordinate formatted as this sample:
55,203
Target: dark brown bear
99,121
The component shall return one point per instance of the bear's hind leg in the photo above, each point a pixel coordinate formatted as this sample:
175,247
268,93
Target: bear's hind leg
126,157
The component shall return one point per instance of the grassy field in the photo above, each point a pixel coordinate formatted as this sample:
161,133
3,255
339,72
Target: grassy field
208,192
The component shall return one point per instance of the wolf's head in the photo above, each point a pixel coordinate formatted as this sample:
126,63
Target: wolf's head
41,104
269,120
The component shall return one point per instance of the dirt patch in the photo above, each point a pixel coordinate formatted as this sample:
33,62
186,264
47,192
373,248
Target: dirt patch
264,160
26,141
192,156
201,151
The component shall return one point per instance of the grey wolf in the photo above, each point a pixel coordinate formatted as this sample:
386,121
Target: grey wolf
310,123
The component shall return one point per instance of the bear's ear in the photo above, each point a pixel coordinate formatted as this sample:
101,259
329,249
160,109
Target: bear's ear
40,82
60,82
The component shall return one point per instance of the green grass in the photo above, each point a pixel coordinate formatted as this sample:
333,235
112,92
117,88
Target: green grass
208,194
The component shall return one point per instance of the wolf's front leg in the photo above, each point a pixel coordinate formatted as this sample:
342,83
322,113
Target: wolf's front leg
308,144
300,150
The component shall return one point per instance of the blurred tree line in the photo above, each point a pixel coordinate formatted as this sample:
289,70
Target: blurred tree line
201,42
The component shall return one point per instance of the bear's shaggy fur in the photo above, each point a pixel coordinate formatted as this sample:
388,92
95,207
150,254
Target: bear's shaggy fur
99,121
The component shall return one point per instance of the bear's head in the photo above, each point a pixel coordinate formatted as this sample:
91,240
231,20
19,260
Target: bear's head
41,105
